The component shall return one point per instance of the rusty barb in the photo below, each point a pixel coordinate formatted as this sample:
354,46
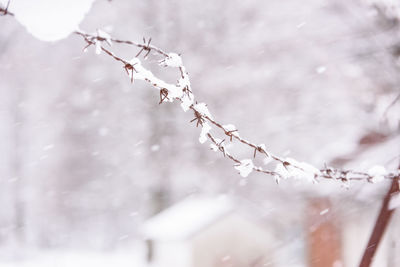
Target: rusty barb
130,68
163,95
198,118
4,11
145,47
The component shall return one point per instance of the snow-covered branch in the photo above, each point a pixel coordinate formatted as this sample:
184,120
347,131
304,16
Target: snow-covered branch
210,127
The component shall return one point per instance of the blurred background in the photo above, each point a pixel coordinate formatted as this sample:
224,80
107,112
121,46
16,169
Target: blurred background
88,160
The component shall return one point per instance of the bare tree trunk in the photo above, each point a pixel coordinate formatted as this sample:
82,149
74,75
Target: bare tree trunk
380,226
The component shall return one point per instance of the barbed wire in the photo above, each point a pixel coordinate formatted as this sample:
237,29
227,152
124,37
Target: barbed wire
4,10
285,168
182,92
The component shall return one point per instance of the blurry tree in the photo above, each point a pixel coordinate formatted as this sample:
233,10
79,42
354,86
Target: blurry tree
298,73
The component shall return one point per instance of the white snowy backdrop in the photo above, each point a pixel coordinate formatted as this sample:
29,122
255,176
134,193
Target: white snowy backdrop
86,156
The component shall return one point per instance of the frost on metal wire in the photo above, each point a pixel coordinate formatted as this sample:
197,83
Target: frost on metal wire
377,173
55,28
291,168
172,60
205,129
245,167
203,110
182,92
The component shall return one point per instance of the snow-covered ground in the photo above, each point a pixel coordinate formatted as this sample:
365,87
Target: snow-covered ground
72,258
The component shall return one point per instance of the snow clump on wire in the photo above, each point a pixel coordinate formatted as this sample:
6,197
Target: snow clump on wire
377,173
291,168
245,167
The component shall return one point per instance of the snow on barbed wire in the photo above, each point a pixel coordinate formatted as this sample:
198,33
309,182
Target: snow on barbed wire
205,129
184,83
172,60
181,91
377,173
220,143
101,36
291,168
139,72
97,44
105,36
202,109
187,101
245,167
263,147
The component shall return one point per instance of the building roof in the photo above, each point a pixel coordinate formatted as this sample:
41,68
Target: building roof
186,218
